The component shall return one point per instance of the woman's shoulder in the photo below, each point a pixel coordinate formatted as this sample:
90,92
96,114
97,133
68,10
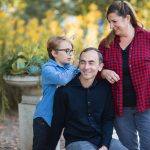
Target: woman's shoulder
102,45
102,42
143,31
142,34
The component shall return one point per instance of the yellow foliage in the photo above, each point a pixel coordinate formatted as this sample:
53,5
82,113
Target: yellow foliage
93,7
2,14
83,30
148,4
50,14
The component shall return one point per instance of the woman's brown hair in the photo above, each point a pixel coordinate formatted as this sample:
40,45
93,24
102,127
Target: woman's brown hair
121,8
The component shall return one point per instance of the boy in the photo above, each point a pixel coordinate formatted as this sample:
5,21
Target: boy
57,71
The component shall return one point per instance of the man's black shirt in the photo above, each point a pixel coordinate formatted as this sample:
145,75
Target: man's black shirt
86,114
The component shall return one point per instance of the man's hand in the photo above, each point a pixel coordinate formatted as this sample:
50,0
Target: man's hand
103,148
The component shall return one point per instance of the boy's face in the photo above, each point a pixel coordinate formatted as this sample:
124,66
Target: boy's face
89,65
64,53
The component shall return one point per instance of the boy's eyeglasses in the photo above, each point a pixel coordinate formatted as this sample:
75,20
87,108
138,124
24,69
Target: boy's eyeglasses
67,50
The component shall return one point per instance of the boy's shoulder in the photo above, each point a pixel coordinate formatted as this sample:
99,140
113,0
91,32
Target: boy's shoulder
50,63
53,63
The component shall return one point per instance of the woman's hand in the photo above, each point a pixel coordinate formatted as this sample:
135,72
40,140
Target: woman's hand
103,148
110,76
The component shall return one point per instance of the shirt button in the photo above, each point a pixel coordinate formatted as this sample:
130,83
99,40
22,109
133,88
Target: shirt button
89,114
130,66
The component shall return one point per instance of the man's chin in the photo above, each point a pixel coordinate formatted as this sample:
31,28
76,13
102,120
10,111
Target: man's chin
86,77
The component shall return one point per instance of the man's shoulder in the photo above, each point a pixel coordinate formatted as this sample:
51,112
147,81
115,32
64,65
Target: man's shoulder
69,85
104,83
63,88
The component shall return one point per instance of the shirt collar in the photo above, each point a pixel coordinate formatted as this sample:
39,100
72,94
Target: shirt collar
76,81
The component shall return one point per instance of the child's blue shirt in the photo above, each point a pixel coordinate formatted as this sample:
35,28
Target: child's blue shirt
53,75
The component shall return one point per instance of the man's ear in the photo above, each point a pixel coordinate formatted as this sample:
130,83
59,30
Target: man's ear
101,66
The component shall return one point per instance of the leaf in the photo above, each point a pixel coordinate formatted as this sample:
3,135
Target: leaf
17,72
33,70
22,54
18,67
21,63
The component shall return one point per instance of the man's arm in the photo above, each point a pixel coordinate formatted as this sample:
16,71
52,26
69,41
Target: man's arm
58,119
107,120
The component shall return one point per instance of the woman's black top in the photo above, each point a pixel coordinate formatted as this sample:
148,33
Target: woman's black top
129,95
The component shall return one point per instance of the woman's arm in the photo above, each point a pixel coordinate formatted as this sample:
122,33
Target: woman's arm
110,75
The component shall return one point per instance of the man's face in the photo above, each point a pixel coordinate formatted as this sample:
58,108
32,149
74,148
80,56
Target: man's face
89,65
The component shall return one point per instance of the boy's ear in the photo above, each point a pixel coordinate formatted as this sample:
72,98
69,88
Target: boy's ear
54,53
100,66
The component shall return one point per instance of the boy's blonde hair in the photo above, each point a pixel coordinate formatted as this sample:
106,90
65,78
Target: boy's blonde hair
53,44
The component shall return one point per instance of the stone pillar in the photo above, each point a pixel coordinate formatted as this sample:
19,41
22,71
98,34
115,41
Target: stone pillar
30,97
31,93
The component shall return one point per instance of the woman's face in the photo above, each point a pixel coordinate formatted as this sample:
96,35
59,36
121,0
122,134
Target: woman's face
118,24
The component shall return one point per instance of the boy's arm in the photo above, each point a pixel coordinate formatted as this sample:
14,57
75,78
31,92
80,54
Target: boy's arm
58,120
50,75
107,120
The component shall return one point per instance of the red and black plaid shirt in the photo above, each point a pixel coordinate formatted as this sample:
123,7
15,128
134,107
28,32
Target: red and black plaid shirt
139,64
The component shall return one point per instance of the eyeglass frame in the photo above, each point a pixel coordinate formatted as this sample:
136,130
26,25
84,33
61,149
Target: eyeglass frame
67,50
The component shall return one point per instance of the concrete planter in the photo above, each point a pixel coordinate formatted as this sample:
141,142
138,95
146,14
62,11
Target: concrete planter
31,92
29,85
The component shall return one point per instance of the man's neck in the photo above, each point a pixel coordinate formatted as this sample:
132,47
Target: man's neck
86,83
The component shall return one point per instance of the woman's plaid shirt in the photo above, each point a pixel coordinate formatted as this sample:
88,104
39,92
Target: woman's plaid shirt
139,64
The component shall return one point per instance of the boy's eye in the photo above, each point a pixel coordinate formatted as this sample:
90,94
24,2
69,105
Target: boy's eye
67,50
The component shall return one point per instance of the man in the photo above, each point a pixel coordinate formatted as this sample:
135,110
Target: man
84,108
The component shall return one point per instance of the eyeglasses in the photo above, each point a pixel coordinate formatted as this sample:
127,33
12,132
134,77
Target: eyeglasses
67,50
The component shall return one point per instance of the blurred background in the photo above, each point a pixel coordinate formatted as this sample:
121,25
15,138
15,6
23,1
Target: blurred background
26,25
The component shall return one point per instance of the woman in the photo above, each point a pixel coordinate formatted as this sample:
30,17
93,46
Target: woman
126,52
